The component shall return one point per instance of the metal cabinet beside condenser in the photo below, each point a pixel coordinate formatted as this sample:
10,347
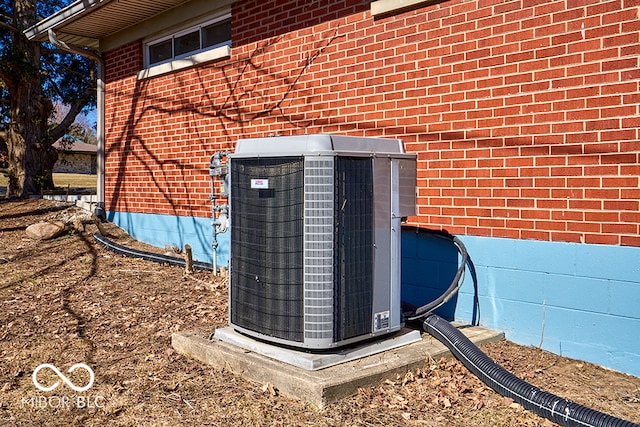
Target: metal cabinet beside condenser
315,238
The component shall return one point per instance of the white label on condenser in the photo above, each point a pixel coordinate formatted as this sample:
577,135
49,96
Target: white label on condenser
381,321
260,184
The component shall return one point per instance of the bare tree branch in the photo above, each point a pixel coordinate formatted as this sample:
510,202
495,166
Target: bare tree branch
59,130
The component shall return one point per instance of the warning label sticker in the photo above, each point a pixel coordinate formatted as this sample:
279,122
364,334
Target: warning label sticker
381,321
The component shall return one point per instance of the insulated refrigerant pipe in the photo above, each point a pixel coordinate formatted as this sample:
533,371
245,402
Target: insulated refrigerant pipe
453,288
543,403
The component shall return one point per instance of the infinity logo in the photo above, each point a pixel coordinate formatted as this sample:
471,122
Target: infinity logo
62,377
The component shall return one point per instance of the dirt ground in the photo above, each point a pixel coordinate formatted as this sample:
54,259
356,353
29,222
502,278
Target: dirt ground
69,300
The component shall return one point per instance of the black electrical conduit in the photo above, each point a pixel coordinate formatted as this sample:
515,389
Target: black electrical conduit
149,256
561,411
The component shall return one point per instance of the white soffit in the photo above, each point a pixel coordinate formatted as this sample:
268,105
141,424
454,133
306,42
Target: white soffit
86,22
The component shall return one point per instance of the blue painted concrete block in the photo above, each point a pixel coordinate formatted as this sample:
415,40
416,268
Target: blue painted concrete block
429,264
609,262
620,301
160,230
577,300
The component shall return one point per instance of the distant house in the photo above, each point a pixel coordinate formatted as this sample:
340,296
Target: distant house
523,115
76,157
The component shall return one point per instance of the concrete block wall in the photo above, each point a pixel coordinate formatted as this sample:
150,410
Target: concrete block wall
524,116
576,300
161,230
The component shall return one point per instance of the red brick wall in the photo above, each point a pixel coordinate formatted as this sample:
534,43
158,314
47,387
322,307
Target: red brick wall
524,114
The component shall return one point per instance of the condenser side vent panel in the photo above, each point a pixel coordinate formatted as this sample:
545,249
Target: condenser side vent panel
318,248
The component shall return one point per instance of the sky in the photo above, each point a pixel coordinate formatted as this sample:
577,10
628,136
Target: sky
91,117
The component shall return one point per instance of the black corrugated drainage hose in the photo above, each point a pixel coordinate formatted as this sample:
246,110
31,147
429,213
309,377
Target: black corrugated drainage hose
149,256
545,404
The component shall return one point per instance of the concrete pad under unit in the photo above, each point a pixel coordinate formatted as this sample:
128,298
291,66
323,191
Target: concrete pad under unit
318,360
323,386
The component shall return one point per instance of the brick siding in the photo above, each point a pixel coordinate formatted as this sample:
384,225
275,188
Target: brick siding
524,114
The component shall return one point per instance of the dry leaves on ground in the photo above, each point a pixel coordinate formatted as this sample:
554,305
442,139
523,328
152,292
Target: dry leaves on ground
70,300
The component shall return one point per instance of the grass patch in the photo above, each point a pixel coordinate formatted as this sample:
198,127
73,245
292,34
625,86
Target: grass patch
75,180
62,180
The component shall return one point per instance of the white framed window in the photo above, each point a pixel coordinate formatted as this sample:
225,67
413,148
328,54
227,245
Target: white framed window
186,47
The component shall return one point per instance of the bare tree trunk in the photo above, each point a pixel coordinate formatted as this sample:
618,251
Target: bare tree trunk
30,151
31,165
31,155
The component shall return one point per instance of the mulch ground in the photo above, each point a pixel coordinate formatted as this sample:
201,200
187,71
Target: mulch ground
69,300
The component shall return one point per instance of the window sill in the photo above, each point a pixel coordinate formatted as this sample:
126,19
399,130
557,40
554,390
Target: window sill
222,52
382,8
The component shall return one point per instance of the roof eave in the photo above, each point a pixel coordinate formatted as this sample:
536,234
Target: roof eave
107,24
74,11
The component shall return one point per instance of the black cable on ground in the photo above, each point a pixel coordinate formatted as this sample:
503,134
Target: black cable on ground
545,404
149,256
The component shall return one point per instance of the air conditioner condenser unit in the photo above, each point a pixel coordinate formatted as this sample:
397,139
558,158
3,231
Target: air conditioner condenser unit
315,238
